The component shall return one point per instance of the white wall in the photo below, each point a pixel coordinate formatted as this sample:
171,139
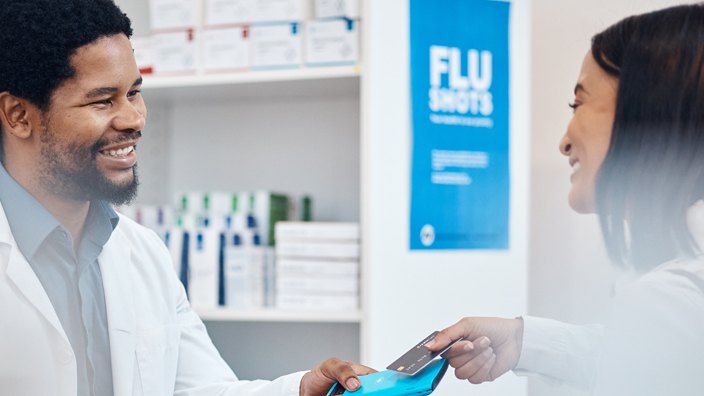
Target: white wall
569,274
410,294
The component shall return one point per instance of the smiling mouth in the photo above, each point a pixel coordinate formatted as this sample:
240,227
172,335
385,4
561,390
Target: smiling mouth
576,166
119,152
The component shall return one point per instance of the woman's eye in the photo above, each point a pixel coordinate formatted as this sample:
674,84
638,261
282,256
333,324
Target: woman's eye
573,105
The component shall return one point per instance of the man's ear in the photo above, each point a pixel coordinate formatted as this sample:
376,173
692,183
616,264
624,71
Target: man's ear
15,115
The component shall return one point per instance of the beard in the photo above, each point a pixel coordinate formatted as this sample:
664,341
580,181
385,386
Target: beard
71,171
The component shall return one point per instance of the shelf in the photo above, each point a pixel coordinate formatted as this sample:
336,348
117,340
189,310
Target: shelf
274,315
260,84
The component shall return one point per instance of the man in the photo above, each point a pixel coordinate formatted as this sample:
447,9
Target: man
89,303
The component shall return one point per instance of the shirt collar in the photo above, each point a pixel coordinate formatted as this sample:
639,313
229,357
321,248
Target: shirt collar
31,223
100,214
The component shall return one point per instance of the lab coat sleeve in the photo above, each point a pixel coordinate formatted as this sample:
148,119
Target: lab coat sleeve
202,371
560,353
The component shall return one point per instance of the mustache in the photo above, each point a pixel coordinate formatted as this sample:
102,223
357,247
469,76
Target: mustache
123,137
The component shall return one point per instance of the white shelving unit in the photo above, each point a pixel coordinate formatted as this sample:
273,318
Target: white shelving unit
275,315
254,76
278,85
258,84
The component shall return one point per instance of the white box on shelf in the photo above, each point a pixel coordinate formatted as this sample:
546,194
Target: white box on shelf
143,54
336,8
278,11
244,276
296,301
332,42
228,12
174,14
316,284
175,52
322,231
314,267
225,49
276,46
340,251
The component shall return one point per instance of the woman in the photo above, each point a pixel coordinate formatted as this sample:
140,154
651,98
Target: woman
636,146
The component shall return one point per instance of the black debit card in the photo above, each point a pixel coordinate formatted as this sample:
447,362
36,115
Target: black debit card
418,357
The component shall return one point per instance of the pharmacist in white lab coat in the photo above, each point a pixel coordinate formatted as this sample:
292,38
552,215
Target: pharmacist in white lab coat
636,145
89,302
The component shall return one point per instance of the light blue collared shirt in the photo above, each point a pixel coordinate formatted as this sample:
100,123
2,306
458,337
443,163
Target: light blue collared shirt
74,284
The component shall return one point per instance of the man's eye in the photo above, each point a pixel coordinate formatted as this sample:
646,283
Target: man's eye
103,102
134,93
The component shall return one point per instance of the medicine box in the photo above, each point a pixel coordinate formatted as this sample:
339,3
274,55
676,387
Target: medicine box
174,14
293,267
295,230
278,11
317,284
336,8
334,251
226,48
332,42
276,46
143,54
296,301
228,12
175,52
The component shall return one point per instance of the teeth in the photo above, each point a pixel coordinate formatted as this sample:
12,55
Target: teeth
119,152
576,167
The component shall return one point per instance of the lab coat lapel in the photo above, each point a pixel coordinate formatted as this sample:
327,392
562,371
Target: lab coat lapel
23,276
115,266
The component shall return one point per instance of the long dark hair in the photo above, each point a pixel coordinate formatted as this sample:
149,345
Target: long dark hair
654,169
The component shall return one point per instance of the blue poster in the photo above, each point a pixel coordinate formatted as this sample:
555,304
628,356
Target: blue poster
460,124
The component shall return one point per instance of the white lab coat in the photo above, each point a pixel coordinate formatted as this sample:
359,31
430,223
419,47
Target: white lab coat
158,345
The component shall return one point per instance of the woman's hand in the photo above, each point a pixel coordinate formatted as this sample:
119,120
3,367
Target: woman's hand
490,348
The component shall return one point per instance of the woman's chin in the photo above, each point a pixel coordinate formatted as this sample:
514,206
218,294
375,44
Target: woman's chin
581,203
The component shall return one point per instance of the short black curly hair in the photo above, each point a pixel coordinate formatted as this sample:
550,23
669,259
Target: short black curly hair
38,37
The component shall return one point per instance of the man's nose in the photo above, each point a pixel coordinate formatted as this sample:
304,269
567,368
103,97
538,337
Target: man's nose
131,117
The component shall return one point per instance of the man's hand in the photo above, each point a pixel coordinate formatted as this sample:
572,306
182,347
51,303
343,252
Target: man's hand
319,381
491,347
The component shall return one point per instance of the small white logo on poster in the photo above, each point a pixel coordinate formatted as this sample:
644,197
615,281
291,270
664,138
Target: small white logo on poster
427,235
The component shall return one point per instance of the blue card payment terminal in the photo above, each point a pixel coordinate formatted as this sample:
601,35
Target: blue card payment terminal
393,383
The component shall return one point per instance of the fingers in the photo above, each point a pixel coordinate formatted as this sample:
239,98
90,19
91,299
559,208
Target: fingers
483,373
476,369
446,336
342,372
458,360
466,346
